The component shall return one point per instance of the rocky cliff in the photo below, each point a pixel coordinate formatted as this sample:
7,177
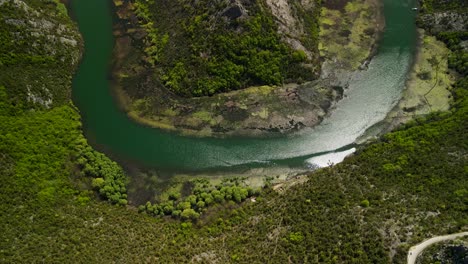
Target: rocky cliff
39,50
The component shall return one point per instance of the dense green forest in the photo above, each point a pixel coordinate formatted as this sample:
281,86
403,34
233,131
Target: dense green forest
204,47
407,186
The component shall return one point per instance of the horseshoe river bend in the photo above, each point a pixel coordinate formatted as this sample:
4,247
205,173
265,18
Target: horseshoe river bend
370,96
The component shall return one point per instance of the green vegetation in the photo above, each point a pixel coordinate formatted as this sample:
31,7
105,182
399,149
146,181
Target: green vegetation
108,177
156,42
414,181
348,32
400,190
41,149
196,51
430,81
45,148
458,59
62,9
183,49
202,195
36,61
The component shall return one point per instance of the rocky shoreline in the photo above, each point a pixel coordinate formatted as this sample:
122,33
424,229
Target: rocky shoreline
255,111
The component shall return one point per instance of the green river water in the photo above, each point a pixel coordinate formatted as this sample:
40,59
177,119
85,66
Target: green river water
370,96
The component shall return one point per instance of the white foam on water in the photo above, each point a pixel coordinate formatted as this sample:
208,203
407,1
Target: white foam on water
329,159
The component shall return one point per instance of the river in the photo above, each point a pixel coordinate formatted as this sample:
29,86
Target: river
370,96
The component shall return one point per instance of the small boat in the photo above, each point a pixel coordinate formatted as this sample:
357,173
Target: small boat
414,9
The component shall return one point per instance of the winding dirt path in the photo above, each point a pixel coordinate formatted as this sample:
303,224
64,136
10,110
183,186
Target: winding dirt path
416,250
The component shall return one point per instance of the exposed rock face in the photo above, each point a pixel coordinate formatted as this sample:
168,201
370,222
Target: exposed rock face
290,25
444,21
43,44
464,45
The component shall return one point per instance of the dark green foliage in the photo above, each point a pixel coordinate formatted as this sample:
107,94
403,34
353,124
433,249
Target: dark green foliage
54,137
320,221
109,178
30,75
414,182
196,51
39,144
453,39
365,203
458,60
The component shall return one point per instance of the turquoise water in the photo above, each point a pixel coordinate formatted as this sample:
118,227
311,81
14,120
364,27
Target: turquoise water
369,98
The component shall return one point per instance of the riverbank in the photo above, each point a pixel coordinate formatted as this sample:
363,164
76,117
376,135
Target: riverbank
150,185
256,111
428,87
349,34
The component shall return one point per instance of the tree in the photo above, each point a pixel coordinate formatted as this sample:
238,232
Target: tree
98,183
189,214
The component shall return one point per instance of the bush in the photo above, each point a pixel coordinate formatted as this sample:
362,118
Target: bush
189,214
365,203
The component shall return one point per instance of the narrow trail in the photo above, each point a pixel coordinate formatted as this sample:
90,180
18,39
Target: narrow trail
435,83
416,250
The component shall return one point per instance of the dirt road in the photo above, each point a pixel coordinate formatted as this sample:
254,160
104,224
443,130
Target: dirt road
416,250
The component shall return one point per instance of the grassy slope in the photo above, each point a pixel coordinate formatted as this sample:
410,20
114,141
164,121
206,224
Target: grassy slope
429,85
401,190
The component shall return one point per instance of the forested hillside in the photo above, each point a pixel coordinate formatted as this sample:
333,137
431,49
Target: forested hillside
45,161
182,65
38,52
200,48
407,186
